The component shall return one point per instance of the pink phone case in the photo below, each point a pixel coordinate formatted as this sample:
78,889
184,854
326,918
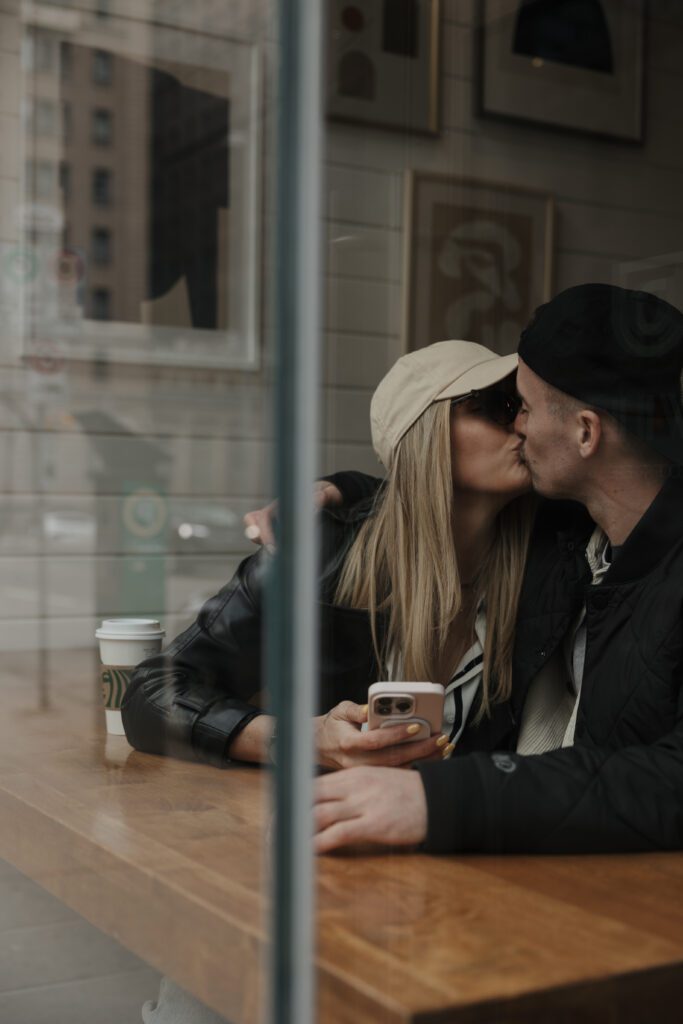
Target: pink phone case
404,704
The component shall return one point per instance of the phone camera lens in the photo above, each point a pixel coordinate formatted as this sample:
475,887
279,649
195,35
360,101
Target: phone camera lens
384,702
384,709
403,705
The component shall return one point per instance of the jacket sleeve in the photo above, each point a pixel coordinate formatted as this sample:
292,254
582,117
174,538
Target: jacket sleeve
193,698
354,486
579,799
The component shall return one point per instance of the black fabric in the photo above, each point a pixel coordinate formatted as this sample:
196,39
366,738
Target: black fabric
356,487
191,700
616,349
620,787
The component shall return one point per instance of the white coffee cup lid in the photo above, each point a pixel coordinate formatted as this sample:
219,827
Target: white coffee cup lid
129,629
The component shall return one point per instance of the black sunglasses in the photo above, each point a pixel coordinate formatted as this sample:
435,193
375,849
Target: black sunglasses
498,406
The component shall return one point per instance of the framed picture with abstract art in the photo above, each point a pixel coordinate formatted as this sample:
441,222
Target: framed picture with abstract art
570,64
383,63
478,260
145,247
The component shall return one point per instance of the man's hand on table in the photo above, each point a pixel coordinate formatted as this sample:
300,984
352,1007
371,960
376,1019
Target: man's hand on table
369,805
259,524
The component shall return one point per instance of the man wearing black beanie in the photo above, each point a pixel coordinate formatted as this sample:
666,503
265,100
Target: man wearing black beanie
587,756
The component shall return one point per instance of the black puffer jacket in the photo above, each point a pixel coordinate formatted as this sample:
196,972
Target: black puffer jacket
620,787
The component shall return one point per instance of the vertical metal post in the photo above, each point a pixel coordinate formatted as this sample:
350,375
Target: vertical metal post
292,620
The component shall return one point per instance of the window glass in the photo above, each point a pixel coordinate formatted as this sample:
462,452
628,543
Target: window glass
102,67
102,124
136,266
101,251
101,186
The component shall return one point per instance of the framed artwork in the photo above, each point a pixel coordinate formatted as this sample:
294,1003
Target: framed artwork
383,63
576,66
478,260
141,240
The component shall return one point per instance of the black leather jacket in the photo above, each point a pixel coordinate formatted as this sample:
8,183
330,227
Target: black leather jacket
193,698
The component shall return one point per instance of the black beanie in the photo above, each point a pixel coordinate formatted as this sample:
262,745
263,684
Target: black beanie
616,349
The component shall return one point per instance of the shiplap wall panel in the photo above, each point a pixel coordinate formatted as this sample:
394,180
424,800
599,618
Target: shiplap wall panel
212,466
570,166
361,305
361,196
71,583
175,408
369,253
61,634
358,359
69,524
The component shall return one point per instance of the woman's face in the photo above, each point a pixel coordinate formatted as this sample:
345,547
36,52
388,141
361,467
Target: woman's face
485,455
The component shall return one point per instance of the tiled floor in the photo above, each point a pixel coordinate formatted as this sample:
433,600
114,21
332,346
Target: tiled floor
55,968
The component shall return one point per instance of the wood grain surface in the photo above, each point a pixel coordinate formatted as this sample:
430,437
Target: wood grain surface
173,860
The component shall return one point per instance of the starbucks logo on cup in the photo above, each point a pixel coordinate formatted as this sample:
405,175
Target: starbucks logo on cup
115,679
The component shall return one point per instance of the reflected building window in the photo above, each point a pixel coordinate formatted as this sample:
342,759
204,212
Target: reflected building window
67,125
101,186
102,65
100,304
39,52
100,246
43,117
357,76
41,179
565,31
102,127
400,27
66,60
65,178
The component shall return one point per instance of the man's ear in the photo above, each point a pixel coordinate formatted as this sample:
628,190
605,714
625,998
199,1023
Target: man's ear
589,432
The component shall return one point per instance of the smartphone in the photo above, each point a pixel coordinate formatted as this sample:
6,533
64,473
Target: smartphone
404,704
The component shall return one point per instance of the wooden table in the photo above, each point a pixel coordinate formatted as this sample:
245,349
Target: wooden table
172,860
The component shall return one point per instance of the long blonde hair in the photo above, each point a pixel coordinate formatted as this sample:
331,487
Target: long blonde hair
403,564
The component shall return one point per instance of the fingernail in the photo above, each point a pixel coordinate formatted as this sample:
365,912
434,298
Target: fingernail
252,532
364,711
442,740
412,729
447,751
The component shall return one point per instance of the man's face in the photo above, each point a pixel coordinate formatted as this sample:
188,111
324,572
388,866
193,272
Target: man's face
546,438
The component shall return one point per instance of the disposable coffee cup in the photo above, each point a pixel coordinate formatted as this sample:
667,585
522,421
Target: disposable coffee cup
124,643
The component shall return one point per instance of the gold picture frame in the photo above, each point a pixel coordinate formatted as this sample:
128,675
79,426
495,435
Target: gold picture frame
383,64
478,259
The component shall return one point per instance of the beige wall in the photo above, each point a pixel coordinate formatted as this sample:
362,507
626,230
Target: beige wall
615,203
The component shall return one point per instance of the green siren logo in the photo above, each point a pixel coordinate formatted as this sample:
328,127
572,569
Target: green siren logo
114,682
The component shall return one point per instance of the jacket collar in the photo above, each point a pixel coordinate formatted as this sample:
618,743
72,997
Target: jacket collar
658,530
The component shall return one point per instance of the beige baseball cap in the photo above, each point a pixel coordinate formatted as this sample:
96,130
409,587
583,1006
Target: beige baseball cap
446,369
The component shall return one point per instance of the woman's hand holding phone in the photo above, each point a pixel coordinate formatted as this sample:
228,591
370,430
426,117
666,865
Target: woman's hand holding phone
341,743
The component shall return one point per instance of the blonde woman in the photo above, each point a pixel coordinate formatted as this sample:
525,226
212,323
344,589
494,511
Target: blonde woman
421,583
